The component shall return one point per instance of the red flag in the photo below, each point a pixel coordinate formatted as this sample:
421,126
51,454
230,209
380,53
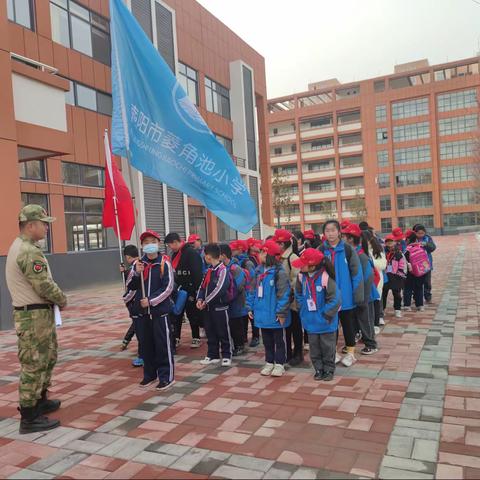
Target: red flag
117,195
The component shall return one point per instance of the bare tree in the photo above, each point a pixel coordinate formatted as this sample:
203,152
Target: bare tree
358,207
281,196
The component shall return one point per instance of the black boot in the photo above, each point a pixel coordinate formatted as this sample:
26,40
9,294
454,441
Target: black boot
32,421
47,406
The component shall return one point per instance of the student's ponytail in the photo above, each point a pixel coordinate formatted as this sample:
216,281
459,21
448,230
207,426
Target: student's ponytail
328,266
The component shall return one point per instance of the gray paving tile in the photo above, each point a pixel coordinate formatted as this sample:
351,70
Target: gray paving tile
393,473
152,458
227,471
252,463
189,460
66,463
125,448
29,474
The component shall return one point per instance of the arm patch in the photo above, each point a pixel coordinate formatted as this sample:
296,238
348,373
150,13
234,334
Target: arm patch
39,267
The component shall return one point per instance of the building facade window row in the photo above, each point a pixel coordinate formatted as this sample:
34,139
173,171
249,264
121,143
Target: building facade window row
459,196
418,154
447,102
35,170
407,201
218,98
87,97
458,149
413,131
458,173
414,177
454,125
410,108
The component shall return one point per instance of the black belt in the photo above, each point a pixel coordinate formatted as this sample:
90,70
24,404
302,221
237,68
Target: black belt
34,306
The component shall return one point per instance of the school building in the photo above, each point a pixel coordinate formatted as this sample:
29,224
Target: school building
395,150
56,103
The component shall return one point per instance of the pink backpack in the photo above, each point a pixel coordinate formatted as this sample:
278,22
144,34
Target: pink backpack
418,260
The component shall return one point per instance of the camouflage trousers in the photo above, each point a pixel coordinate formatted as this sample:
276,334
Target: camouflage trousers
37,353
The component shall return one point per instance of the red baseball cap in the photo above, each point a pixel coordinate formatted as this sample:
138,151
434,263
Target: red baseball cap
398,234
390,237
238,245
271,248
253,242
309,257
344,223
282,236
309,234
150,233
193,238
352,229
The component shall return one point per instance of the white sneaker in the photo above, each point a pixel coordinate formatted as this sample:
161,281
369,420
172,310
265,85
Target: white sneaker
398,313
405,309
381,321
227,362
338,358
196,343
267,369
202,333
348,360
278,370
377,330
209,361
421,309
306,347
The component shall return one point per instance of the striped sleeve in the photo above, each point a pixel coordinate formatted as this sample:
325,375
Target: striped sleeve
219,287
168,288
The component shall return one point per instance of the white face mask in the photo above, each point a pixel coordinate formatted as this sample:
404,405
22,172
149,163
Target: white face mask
151,248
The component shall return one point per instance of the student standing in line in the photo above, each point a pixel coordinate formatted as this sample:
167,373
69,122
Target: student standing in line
377,255
268,305
427,242
319,300
349,279
396,272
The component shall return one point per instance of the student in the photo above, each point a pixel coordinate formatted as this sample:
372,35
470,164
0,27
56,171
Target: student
396,272
399,237
237,308
364,311
319,301
156,273
268,305
253,249
427,242
212,298
298,242
130,252
349,279
188,267
418,268
239,247
294,331
196,242
377,255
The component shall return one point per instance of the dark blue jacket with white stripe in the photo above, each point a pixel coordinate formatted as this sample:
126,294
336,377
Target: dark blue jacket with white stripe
214,286
159,285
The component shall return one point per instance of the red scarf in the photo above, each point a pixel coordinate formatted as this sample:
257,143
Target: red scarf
311,285
178,256
206,279
146,270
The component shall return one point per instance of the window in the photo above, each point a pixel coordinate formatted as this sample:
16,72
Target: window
409,222
38,199
326,207
447,102
382,158
453,125
348,117
380,113
354,182
414,200
353,139
460,196
319,122
459,71
458,173
383,180
328,186
382,135
458,149
292,209
355,205
226,142
379,86
277,151
349,162
413,131
83,220
385,203
86,175
465,219
218,98
414,177
386,224
86,97
405,156
33,170
275,131
290,189
188,78
323,144
83,30
198,221
410,108
321,165
285,170
21,12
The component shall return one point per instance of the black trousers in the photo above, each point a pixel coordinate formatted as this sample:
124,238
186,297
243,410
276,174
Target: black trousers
217,329
237,329
365,315
322,351
427,287
378,307
255,330
156,347
130,332
195,317
275,345
415,286
348,322
294,331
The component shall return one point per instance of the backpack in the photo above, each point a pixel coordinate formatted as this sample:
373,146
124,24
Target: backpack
232,290
420,265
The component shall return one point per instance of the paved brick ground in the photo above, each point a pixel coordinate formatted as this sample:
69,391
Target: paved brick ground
411,411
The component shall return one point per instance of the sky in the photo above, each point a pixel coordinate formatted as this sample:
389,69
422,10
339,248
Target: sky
305,41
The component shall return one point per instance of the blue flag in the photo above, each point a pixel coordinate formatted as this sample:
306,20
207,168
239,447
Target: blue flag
158,128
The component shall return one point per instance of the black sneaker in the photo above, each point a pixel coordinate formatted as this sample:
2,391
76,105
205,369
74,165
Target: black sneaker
162,386
255,342
318,376
327,377
146,383
368,351
32,421
295,361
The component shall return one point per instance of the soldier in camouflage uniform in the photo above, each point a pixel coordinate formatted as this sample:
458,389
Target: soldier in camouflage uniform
34,293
